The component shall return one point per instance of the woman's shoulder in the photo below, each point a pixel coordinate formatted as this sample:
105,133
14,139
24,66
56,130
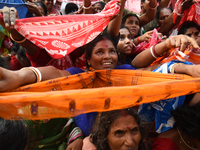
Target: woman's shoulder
164,144
125,66
74,70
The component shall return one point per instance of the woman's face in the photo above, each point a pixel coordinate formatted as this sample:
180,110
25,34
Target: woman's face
97,8
124,134
49,5
132,23
104,56
125,43
163,14
192,32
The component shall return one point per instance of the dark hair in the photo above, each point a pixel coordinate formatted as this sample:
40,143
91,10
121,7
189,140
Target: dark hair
122,27
99,134
187,119
129,15
70,8
159,10
187,25
3,62
43,6
13,134
22,55
90,46
101,3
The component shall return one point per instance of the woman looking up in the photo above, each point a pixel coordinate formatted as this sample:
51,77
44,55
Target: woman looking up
118,130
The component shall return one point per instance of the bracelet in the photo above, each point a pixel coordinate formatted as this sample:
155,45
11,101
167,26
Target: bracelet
172,67
88,6
138,39
152,53
153,8
16,40
133,44
37,73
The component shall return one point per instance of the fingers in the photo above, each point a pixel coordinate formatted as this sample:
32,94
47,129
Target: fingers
192,42
12,16
9,16
181,41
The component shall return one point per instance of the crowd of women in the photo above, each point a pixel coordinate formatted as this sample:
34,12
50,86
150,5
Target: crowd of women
145,41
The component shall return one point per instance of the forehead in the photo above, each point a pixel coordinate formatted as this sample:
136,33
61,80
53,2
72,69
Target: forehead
132,18
123,122
97,5
165,12
124,31
104,44
191,29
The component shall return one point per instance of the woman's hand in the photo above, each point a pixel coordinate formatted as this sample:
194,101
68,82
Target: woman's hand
33,8
76,145
88,145
9,17
181,41
146,36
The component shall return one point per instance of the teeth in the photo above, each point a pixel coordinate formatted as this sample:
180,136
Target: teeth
107,63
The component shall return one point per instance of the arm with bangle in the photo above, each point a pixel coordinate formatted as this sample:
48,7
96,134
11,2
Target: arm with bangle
28,75
146,57
150,13
87,7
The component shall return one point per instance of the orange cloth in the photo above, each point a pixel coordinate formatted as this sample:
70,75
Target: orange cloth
100,90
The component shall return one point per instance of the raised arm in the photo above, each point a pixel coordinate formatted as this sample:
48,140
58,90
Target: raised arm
150,14
9,17
114,25
145,58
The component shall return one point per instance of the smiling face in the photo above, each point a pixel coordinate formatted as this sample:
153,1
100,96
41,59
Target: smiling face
133,24
125,43
104,56
124,134
49,5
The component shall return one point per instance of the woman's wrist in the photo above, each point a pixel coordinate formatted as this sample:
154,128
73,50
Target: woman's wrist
26,76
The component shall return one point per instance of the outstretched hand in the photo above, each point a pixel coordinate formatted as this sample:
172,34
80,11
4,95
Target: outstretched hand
181,41
9,17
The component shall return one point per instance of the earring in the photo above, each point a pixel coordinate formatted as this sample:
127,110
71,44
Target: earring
89,64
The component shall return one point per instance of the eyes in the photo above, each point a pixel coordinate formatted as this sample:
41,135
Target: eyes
123,37
120,133
195,34
132,21
102,51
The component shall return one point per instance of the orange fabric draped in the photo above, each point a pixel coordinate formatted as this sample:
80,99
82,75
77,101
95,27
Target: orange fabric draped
100,90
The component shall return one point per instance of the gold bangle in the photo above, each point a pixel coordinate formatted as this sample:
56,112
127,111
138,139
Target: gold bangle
174,66
16,40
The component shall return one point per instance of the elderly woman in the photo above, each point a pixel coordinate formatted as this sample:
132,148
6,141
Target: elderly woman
117,130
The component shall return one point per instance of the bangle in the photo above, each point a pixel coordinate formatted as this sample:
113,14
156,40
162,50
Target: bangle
88,6
37,73
133,44
172,67
152,53
152,8
138,39
16,40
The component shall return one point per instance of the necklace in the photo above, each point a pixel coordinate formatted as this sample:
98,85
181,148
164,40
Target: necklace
184,140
